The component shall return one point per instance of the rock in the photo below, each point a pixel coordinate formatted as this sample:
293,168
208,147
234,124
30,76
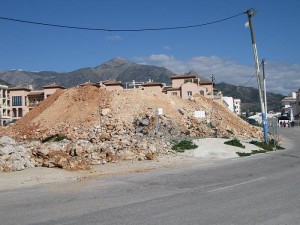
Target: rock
139,129
150,156
105,111
104,137
6,150
5,140
144,122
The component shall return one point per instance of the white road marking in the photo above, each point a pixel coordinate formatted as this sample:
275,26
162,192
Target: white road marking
234,185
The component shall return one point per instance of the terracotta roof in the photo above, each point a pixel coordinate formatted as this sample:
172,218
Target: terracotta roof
150,84
205,82
183,76
53,86
172,89
19,89
35,93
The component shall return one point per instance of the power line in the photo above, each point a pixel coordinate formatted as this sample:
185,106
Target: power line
120,30
248,80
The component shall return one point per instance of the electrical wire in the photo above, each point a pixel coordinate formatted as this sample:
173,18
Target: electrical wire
119,30
250,78
247,81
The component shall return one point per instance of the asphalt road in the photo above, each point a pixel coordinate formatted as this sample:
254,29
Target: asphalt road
261,189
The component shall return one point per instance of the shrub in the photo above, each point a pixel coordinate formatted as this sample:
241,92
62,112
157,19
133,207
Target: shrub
235,142
60,138
267,146
184,145
229,131
243,154
258,151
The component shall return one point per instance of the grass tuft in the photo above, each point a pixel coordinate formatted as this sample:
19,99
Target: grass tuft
235,142
184,145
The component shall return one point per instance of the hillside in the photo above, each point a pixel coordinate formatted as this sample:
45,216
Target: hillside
250,97
115,69
4,83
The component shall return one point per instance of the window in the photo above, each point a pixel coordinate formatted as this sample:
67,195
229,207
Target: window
17,100
189,93
174,93
202,93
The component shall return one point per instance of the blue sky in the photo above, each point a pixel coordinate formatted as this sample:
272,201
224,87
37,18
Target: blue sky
222,49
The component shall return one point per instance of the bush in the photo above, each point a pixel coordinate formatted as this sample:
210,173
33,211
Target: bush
243,154
184,145
267,146
235,142
263,145
60,138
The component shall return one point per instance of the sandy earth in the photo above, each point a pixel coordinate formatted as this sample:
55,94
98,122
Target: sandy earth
209,149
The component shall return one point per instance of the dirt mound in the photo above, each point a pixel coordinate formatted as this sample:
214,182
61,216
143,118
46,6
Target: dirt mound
74,112
101,126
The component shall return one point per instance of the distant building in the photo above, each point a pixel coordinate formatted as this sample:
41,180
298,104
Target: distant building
4,105
237,106
152,86
19,102
290,105
187,85
23,99
229,102
50,89
111,85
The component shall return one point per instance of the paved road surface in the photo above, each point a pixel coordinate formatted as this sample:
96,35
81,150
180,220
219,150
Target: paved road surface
261,189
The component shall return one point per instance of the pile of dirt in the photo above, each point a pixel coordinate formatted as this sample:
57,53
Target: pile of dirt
120,125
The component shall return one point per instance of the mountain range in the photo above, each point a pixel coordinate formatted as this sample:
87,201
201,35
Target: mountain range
122,70
250,97
116,69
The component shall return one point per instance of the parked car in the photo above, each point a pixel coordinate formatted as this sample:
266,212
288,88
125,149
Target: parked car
251,121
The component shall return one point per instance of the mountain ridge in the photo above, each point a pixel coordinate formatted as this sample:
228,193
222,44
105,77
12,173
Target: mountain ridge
125,71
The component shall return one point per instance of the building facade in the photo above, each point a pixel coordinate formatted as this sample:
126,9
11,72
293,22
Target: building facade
5,116
237,106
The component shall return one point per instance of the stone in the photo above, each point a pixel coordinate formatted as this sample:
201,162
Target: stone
104,137
105,111
139,129
5,140
144,122
6,150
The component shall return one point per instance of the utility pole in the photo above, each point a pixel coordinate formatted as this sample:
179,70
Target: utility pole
265,88
212,98
251,13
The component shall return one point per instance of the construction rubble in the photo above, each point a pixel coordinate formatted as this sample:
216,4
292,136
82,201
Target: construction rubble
83,126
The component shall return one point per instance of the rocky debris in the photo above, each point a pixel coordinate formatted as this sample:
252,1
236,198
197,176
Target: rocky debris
103,126
14,157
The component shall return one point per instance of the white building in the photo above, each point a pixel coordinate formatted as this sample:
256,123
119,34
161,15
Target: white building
4,105
228,102
237,106
289,105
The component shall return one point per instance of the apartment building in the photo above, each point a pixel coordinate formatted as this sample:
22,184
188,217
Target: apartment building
4,105
237,106
23,99
186,86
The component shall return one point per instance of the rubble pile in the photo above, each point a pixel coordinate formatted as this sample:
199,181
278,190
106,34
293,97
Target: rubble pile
14,157
86,125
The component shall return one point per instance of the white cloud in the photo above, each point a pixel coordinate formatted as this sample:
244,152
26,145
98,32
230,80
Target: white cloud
281,77
114,38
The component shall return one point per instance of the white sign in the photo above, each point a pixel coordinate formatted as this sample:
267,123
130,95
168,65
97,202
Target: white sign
159,111
200,114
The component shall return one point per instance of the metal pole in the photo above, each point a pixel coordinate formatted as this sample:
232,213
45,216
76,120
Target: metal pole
265,88
251,13
212,99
